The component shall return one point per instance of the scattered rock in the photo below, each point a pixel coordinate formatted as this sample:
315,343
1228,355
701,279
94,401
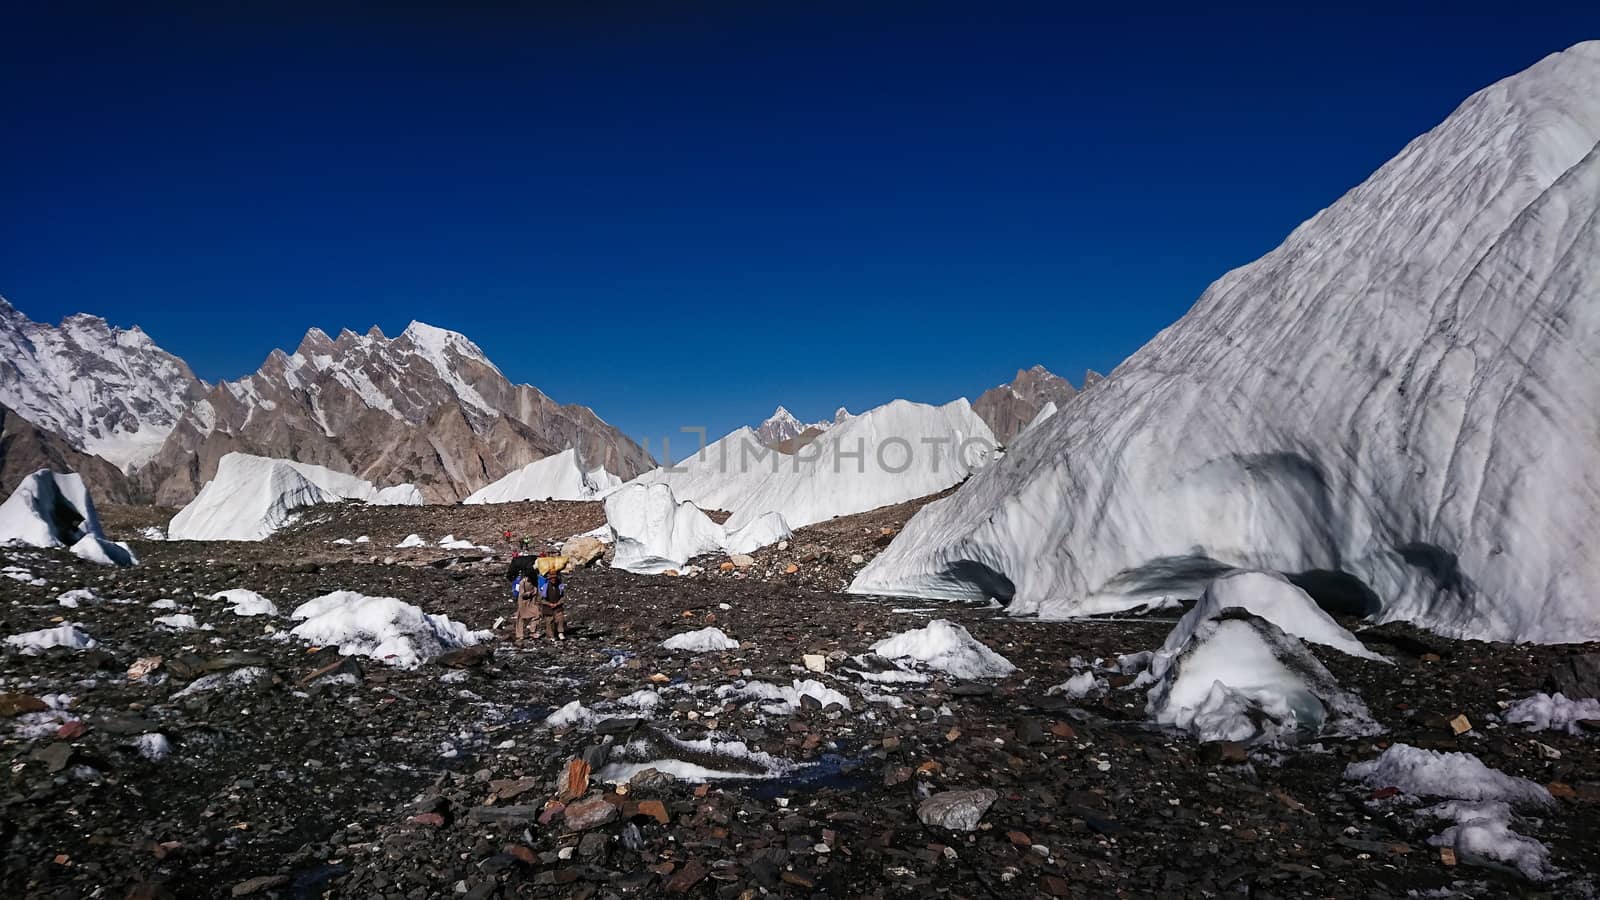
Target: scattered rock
574,781
12,705
54,756
503,815
655,809
1577,676
686,877
587,814
1219,753
957,810
259,884
466,657
652,780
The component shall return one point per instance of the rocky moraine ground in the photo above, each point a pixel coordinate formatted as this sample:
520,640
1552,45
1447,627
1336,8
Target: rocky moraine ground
223,756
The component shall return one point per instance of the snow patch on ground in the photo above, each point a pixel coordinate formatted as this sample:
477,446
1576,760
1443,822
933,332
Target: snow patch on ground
945,646
77,598
741,762
17,573
1079,686
246,603
1544,712
153,746
1479,802
1453,776
383,628
222,680
451,542
181,622
101,552
67,634
706,640
572,715
780,700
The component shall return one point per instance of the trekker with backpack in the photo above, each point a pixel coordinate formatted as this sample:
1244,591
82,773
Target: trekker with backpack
553,599
526,591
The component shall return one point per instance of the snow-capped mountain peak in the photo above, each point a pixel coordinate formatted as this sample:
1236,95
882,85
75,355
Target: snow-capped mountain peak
426,407
1010,407
782,426
108,391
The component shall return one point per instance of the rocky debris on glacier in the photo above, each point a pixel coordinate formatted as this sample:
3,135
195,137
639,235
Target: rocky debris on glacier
449,778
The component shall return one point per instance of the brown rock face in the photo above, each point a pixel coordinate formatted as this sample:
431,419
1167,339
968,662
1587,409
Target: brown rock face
1009,408
26,448
426,407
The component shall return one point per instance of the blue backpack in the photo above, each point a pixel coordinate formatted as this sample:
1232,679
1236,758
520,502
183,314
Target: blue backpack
544,588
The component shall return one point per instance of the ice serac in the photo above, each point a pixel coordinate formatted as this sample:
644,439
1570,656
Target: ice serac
897,452
51,509
1009,409
425,408
655,531
108,391
253,496
559,477
1398,406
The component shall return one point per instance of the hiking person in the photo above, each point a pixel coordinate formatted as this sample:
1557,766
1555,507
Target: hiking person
525,589
553,599
525,543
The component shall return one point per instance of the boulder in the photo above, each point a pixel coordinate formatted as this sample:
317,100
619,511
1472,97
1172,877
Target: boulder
1577,676
582,550
587,814
957,810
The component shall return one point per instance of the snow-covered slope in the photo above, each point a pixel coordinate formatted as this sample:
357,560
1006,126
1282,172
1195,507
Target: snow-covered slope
108,391
253,496
1407,391
427,407
558,477
891,454
26,448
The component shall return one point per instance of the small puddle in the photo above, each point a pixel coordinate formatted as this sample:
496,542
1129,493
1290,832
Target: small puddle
310,884
522,715
832,771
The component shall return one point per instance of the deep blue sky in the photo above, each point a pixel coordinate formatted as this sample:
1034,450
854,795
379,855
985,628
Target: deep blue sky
717,207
